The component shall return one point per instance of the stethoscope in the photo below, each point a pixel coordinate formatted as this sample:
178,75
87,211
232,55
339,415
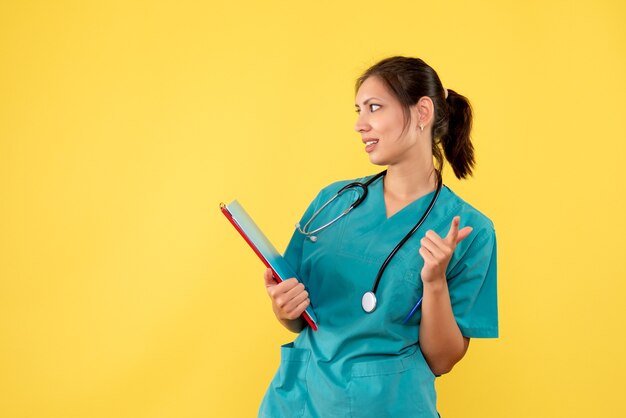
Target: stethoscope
368,301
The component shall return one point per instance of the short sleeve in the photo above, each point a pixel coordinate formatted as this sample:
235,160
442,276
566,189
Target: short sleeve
472,283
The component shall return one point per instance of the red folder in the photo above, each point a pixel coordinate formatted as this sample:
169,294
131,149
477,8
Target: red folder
264,250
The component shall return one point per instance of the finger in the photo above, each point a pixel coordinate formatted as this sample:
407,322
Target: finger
282,287
463,233
286,285
295,291
283,295
269,278
454,229
296,301
438,241
432,248
426,255
298,310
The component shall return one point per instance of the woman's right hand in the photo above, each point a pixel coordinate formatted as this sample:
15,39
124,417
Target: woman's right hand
289,300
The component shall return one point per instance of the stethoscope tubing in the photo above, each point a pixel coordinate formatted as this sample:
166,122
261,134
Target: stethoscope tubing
369,298
356,203
407,236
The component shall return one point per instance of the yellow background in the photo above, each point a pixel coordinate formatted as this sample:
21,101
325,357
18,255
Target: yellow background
124,292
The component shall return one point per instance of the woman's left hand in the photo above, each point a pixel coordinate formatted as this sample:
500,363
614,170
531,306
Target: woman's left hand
437,251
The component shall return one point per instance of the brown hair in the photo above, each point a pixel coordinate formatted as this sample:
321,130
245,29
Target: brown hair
410,79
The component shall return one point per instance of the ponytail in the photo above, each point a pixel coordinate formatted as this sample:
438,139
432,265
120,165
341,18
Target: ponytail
456,142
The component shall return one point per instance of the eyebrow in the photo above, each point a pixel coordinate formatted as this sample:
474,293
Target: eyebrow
368,100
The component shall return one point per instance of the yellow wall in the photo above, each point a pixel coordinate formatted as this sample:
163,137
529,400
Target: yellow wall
124,292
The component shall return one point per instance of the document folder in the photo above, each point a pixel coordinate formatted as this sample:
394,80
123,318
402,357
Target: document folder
263,248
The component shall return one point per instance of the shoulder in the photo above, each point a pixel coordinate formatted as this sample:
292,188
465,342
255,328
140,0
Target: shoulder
482,225
476,255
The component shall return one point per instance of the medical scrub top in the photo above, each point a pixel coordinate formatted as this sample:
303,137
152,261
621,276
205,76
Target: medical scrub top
370,364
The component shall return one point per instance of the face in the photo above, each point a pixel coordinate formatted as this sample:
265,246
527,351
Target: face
381,122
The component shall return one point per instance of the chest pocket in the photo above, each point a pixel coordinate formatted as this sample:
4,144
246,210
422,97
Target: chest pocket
398,291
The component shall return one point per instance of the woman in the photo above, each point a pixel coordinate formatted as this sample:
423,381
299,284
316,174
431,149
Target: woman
370,357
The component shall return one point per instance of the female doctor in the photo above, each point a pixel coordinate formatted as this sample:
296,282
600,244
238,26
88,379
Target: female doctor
372,357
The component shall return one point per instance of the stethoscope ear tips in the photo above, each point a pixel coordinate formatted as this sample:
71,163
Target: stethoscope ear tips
313,238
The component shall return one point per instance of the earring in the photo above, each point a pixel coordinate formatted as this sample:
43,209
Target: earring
421,127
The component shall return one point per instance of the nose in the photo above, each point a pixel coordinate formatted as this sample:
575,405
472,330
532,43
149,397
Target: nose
362,124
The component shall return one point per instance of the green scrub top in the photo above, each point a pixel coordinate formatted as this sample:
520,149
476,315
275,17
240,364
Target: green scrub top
370,364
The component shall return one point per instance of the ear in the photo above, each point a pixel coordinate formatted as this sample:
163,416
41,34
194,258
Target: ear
424,111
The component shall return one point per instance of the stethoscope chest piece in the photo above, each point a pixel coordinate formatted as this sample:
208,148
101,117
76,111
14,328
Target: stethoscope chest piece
368,302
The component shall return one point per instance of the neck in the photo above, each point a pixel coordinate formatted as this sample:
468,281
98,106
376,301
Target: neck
410,182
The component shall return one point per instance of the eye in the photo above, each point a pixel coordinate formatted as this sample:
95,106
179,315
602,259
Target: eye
374,107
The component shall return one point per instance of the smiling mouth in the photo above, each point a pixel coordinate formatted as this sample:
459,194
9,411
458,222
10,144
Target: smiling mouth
372,142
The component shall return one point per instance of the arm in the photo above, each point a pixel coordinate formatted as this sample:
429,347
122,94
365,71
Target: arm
289,300
440,338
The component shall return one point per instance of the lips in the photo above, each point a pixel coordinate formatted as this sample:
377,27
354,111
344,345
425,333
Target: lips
370,144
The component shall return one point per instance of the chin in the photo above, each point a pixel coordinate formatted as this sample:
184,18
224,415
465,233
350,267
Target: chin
376,160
